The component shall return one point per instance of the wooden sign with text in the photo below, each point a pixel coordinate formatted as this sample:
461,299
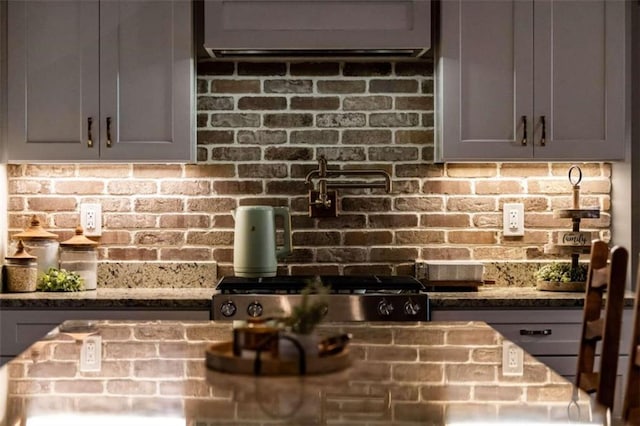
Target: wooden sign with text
573,238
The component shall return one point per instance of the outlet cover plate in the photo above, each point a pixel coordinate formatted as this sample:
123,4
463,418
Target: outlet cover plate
91,354
91,219
513,219
512,359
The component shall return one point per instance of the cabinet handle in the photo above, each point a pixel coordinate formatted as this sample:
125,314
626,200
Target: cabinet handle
543,332
89,136
524,130
108,132
543,138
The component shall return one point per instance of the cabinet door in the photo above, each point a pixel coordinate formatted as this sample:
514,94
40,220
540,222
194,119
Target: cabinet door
52,80
146,80
579,79
486,80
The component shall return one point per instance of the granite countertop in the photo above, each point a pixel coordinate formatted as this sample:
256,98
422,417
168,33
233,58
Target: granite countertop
512,297
200,299
405,374
113,298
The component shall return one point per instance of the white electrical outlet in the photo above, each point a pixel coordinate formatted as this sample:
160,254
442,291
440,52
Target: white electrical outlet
91,219
512,359
91,354
513,219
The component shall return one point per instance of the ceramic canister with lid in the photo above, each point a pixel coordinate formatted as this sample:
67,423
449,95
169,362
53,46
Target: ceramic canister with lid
21,271
79,254
42,244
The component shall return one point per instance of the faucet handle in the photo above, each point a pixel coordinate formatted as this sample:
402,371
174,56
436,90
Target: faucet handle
322,166
323,199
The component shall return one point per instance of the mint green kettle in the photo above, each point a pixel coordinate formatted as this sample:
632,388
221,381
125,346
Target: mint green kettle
255,252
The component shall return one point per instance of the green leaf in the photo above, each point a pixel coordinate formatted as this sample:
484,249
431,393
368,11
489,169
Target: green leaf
60,280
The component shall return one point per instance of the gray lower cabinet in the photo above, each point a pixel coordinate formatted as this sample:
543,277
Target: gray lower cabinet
550,335
100,80
531,80
21,327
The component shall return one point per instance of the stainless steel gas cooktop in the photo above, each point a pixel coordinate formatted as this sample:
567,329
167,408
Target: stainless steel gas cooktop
351,298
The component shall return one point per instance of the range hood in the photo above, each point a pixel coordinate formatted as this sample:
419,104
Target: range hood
317,28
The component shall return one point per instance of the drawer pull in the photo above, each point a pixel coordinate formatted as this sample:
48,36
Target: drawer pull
544,332
89,136
108,132
523,141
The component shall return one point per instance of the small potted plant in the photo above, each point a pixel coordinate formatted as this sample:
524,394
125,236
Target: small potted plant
561,276
60,280
300,325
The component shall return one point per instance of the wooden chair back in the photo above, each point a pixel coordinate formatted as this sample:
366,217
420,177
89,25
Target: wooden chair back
631,406
607,271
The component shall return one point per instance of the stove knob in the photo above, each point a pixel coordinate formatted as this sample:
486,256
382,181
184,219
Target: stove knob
254,309
411,308
385,308
228,308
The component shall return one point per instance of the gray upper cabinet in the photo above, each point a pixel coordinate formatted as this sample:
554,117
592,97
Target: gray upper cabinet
531,80
319,28
108,81
53,72
146,80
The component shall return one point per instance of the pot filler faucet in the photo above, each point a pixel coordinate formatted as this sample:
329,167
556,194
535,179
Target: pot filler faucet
322,202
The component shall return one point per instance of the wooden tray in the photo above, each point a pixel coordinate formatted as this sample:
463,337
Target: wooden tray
220,357
577,286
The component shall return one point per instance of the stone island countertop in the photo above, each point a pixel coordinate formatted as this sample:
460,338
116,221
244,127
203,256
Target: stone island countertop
200,299
403,374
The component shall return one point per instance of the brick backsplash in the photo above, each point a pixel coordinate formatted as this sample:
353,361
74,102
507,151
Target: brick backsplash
261,128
